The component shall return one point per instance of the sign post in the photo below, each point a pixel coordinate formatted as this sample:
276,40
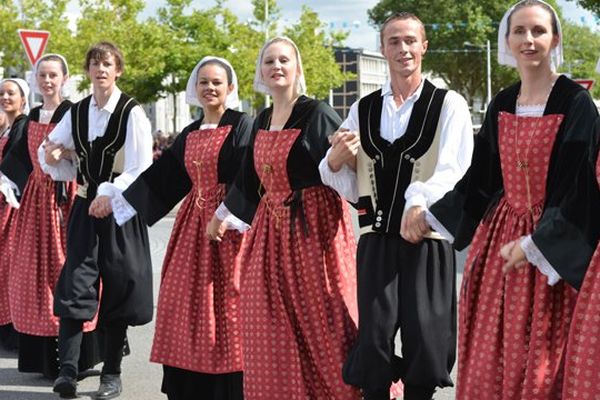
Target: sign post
34,43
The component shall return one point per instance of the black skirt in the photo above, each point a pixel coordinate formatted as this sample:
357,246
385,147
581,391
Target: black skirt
181,384
9,338
40,354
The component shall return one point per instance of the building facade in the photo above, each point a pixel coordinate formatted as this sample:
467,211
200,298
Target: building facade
371,73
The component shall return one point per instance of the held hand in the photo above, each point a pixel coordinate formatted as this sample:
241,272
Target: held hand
344,147
514,256
100,207
413,226
215,230
53,152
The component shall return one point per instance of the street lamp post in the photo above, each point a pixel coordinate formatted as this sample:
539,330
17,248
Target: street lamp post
267,98
488,68
489,73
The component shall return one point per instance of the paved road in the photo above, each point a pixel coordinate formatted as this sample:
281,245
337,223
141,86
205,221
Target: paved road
141,379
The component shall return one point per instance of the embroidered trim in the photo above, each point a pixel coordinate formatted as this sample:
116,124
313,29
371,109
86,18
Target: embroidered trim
535,257
438,227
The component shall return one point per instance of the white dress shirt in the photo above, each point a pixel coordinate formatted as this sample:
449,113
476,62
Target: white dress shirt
456,147
137,146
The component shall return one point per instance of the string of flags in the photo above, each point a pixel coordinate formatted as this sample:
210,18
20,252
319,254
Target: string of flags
356,24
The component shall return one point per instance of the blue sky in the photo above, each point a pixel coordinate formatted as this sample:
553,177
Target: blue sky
352,15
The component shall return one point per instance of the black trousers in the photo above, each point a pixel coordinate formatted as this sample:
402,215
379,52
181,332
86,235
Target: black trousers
70,335
98,250
411,287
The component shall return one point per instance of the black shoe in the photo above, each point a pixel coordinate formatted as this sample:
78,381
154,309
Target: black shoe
414,392
110,387
65,386
376,394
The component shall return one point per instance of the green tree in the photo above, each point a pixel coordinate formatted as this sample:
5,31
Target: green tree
581,46
142,43
46,15
321,71
450,26
590,5
13,59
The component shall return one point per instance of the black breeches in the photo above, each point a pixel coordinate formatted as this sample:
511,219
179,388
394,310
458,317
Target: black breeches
411,287
98,250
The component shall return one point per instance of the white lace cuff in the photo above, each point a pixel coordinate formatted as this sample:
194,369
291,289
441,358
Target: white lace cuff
65,170
8,189
535,257
122,210
438,227
108,189
233,222
415,200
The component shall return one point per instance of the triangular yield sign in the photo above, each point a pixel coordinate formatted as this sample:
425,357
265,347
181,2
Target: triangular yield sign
586,83
34,43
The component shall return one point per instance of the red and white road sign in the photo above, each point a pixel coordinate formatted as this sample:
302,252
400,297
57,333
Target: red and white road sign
586,83
34,43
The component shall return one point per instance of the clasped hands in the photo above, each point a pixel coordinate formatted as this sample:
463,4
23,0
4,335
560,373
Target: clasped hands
344,148
215,230
414,227
101,206
54,152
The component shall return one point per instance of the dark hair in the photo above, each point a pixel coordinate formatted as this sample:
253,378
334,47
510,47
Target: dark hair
101,51
221,64
532,3
402,16
54,57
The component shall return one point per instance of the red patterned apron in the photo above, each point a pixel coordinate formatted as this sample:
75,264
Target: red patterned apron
7,214
197,322
299,311
582,370
513,328
41,234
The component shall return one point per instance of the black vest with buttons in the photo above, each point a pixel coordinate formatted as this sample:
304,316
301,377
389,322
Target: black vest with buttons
96,159
394,165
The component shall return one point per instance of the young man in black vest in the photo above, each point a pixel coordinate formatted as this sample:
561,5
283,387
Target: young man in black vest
105,142
400,149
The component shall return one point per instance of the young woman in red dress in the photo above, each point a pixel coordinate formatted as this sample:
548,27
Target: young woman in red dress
198,330
13,102
298,288
514,316
41,234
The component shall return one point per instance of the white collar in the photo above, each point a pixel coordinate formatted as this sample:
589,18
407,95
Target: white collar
111,104
386,90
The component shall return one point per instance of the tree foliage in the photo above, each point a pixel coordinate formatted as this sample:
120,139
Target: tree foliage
453,24
320,69
592,6
581,46
160,52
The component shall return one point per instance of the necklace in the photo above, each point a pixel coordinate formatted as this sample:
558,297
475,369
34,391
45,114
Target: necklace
523,163
201,200
268,172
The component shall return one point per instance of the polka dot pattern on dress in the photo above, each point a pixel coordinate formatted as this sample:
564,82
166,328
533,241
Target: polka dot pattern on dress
41,226
513,328
299,311
197,322
7,214
582,374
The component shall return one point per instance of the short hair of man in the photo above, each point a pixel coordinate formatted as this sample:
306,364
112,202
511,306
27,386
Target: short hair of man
401,16
101,51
